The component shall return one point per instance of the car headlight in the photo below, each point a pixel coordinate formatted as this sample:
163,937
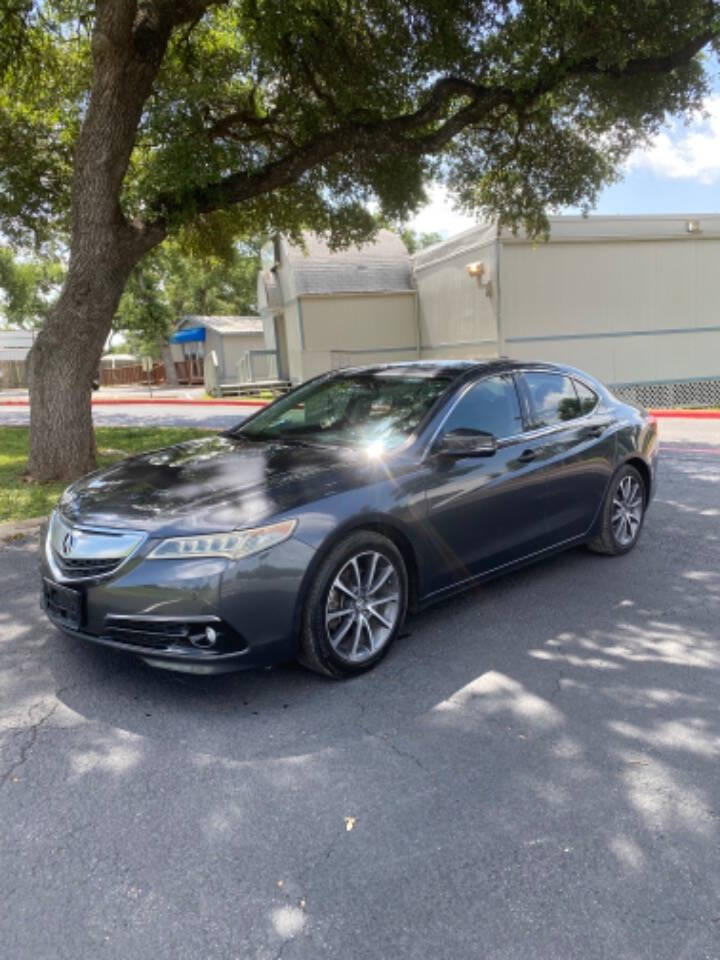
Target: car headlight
237,544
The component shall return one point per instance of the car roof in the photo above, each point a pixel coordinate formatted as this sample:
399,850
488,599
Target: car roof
452,369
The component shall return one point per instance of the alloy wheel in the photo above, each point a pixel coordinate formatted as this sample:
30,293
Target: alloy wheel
627,511
363,606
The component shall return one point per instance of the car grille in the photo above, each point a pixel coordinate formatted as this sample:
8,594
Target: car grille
86,568
85,553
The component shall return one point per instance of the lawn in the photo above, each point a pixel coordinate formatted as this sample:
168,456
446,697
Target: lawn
20,500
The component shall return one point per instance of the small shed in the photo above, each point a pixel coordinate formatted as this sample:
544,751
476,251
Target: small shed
230,337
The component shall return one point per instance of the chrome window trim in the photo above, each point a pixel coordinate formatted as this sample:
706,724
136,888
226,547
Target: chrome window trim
61,577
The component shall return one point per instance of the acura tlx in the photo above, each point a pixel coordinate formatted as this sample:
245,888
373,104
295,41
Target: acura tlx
312,528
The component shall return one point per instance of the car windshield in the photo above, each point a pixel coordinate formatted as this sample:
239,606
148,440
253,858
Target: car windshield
368,409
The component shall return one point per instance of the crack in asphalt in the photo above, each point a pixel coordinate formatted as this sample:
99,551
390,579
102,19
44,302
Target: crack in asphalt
34,731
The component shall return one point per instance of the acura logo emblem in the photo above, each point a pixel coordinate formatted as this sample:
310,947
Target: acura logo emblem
68,543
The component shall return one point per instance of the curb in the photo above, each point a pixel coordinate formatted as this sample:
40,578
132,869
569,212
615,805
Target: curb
168,401
687,414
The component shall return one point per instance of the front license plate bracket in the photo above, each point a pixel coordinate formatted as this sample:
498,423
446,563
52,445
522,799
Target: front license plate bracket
63,604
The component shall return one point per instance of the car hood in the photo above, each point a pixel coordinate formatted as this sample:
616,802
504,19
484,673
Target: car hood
212,484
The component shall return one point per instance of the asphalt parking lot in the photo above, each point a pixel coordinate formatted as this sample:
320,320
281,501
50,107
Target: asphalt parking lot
531,773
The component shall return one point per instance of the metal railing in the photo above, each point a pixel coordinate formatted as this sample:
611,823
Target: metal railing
258,365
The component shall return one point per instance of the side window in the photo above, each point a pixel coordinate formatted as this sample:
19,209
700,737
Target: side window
553,398
587,397
491,406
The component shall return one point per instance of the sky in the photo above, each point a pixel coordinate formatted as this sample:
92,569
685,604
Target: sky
678,172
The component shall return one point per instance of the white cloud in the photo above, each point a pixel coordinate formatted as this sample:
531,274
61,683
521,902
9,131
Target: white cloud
682,152
439,215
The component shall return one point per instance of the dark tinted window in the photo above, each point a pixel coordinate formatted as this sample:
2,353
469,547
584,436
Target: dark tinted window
553,398
588,399
491,406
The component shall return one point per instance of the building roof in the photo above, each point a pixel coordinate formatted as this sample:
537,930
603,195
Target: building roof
464,242
224,324
666,226
655,226
380,266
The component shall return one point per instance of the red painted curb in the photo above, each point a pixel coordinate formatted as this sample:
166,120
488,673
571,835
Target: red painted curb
168,401
238,402
687,414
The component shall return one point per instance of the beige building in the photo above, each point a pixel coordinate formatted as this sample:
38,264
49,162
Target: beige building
324,309
633,300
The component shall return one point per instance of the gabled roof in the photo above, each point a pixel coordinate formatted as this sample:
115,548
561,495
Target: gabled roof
223,324
380,266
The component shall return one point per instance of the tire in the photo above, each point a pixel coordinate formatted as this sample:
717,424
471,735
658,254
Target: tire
626,498
366,565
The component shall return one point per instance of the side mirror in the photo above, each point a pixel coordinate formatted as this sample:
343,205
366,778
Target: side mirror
467,443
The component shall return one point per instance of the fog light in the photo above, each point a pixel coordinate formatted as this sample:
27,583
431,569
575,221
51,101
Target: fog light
204,640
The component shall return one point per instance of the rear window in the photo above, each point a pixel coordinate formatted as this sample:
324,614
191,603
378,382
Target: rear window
553,398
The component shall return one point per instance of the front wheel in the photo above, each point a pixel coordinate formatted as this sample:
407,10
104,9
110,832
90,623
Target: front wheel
355,607
623,513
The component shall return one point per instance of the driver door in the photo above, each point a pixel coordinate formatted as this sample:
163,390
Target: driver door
483,512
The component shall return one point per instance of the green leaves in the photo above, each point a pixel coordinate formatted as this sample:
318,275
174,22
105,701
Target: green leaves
177,279
28,287
297,113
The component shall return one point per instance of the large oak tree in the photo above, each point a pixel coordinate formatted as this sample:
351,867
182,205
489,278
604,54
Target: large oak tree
125,120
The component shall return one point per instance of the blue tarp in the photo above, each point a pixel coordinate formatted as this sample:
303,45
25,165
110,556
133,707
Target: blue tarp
188,334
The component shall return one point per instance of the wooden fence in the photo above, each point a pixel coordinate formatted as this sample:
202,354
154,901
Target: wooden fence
132,374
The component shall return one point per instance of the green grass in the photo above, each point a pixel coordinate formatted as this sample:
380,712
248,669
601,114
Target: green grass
20,500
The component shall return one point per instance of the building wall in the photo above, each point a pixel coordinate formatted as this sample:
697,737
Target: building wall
627,310
235,345
341,330
458,313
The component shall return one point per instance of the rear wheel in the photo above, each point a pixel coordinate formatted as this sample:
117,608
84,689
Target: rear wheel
355,607
623,513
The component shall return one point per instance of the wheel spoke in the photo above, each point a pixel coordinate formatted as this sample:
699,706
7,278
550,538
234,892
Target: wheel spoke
379,616
383,578
334,614
388,599
370,634
371,572
339,585
356,570
356,638
337,639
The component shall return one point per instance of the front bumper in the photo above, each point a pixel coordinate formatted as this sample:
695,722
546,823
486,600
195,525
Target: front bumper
159,610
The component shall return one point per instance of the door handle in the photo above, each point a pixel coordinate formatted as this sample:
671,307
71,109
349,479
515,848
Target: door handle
597,431
527,456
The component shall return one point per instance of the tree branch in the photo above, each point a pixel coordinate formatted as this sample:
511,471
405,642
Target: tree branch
407,133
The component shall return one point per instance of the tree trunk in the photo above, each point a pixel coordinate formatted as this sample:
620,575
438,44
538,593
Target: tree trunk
64,360
128,46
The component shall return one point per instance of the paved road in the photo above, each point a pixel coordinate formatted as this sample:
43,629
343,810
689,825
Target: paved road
221,416
218,416
532,773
